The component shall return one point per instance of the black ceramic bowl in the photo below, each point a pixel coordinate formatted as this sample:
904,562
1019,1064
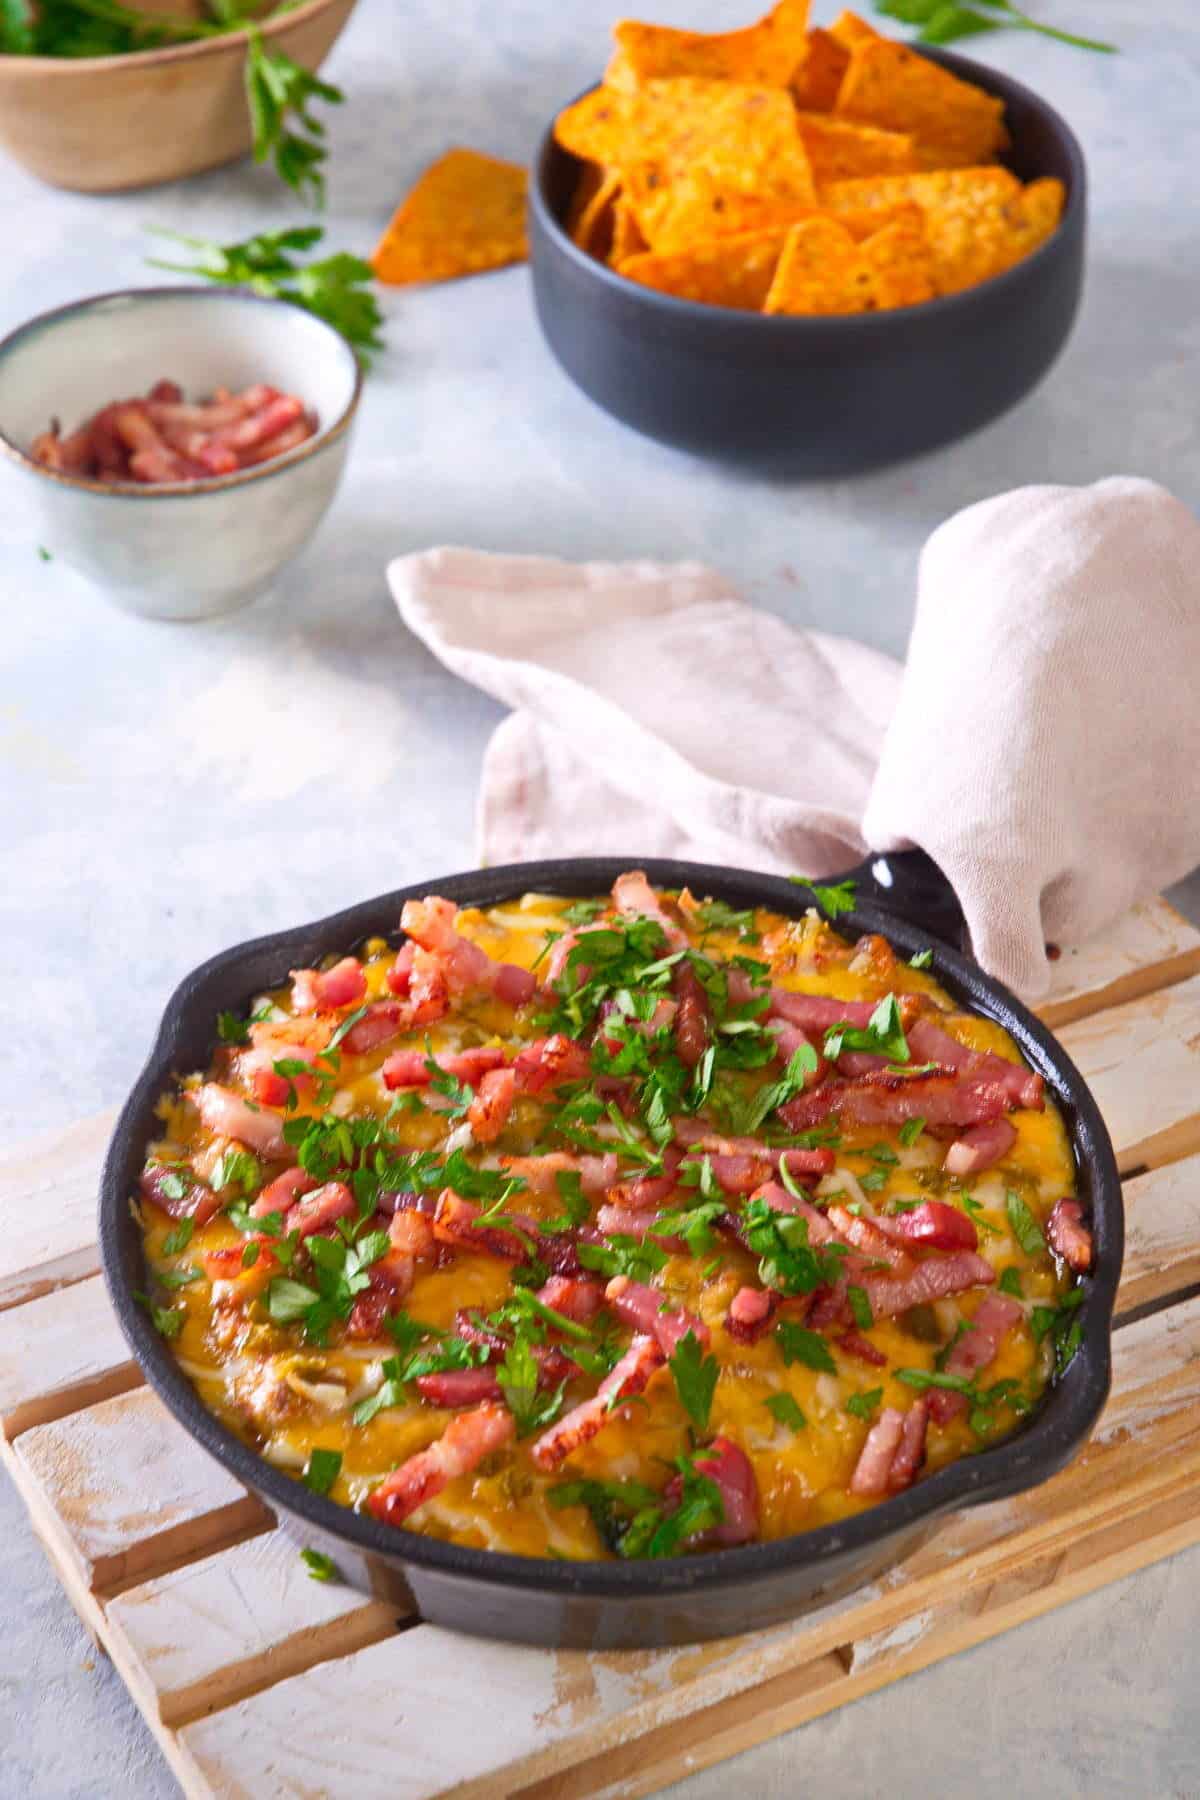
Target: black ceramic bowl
608,1605
821,396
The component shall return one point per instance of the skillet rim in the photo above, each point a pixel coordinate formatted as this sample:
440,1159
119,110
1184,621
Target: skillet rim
1059,1426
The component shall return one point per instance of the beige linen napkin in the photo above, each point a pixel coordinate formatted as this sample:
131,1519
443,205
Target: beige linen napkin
1042,742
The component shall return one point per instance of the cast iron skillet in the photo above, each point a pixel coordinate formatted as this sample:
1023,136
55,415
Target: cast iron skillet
613,1604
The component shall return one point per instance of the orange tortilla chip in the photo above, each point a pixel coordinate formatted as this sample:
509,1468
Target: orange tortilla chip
978,222
698,205
748,135
762,55
627,239
839,151
591,179
466,214
822,270
593,229
816,82
732,271
849,30
889,85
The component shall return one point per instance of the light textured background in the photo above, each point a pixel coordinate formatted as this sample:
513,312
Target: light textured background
169,790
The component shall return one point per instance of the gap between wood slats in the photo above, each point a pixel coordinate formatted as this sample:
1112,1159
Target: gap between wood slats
1132,986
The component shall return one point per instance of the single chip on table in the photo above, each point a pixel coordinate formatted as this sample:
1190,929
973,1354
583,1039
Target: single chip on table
731,271
465,214
839,150
817,80
593,228
978,222
822,270
889,85
763,55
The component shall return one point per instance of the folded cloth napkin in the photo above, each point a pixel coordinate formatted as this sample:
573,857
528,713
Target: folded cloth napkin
1041,743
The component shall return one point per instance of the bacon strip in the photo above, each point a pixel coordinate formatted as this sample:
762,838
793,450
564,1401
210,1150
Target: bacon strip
891,1098
316,990
283,1192
1069,1236
226,1114
893,1452
577,1297
634,898
461,1448
642,1307
643,1359
866,1236
978,1346
751,1312
410,1068
932,1279
933,1225
729,1468
196,1201
929,1043
980,1147
693,1019
464,966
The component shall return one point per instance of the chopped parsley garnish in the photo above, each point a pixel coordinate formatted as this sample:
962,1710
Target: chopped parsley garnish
1063,1325
718,915
882,1036
341,1273
231,1029
168,1321
179,1237
832,900
236,1168
176,1278
323,1469
1025,1227
865,1406
518,1378
974,1212
620,1255
860,1307
910,1131
784,1408
695,1377
320,1567
921,960
1010,1282
582,912
173,1185
774,1094
799,1345
787,1261
983,1401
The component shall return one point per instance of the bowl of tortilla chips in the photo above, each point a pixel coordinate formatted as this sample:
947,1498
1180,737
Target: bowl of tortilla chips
815,250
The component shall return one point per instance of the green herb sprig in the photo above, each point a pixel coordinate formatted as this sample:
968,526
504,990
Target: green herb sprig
942,21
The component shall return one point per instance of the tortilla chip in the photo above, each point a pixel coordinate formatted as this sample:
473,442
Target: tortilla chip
849,30
593,229
839,151
591,178
466,213
732,271
761,55
816,82
978,222
748,135
698,204
627,239
822,270
889,85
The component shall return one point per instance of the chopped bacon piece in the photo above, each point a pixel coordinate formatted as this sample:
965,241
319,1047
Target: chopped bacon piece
874,1466
750,1313
820,1231
596,1173
911,1454
693,1019
410,1068
488,1112
385,1019
933,1225
932,1279
980,1147
412,1234
550,1063
1069,1236
802,1165
458,1387
662,1016
322,1208
728,1466
887,1097
648,1190
228,1115
399,975
634,898
736,1174
461,1448
242,1284
454,1224
643,1359
815,1013
577,1297
929,1043
462,964
642,1307
866,1236
282,1193
615,1221
391,1280
977,1347
317,990
258,1067
855,1344
193,1201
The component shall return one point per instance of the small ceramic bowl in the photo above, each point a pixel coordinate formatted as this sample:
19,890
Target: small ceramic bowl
98,124
815,397
185,550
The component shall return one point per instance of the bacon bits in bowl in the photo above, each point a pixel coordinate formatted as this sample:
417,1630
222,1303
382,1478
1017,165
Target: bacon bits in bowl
176,446
820,249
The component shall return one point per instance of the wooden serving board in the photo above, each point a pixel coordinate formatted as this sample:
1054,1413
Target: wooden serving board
257,1681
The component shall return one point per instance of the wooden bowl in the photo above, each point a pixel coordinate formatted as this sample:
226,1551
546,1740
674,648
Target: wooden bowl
101,123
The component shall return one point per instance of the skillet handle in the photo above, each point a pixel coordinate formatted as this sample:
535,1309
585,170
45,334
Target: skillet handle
910,885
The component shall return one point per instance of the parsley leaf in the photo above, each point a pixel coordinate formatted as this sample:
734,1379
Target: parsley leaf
943,21
620,1255
832,900
883,1036
695,1377
774,1094
323,1469
168,1321
1010,1282
910,1131
784,1408
334,289
1025,1227
864,1406
921,960
231,1029
718,915
799,1345
279,93
179,1237
320,1567
860,1307
787,1262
